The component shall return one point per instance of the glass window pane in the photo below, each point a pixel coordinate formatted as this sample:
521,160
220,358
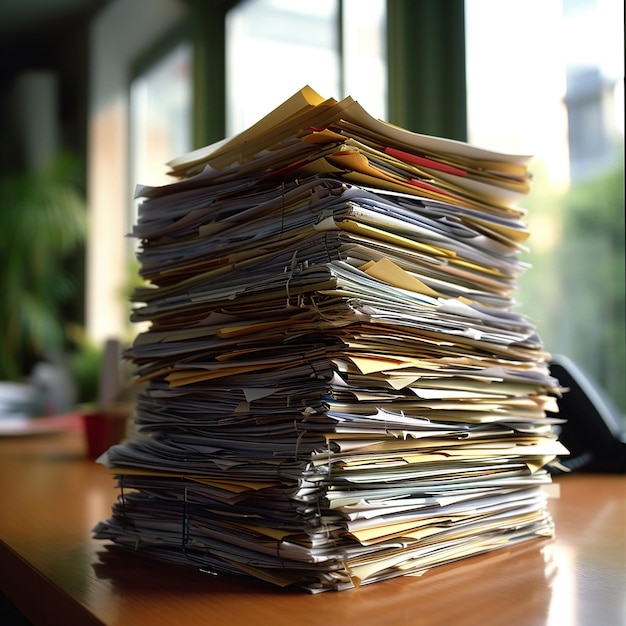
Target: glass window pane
546,78
364,54
275,47
160,115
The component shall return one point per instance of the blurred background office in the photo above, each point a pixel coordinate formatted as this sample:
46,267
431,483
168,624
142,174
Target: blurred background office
97,95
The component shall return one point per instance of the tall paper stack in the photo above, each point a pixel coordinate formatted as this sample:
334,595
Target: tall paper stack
337,388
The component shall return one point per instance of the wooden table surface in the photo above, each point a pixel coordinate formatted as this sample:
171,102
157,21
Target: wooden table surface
53,570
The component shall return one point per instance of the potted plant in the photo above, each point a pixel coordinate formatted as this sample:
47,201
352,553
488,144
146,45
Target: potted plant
42,230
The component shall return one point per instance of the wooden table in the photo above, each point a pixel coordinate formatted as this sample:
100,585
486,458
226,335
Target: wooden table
55,573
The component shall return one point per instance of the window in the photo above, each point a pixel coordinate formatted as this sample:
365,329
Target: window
160,115
275,47
119,35
546,78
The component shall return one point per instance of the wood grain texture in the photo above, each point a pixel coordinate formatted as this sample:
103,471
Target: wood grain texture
53,570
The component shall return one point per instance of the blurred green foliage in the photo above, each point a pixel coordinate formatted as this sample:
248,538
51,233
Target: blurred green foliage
575,290
42,227
85,367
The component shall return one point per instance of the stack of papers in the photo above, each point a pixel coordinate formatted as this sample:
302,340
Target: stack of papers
337,389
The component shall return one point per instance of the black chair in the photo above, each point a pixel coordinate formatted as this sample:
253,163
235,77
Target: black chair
593,433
